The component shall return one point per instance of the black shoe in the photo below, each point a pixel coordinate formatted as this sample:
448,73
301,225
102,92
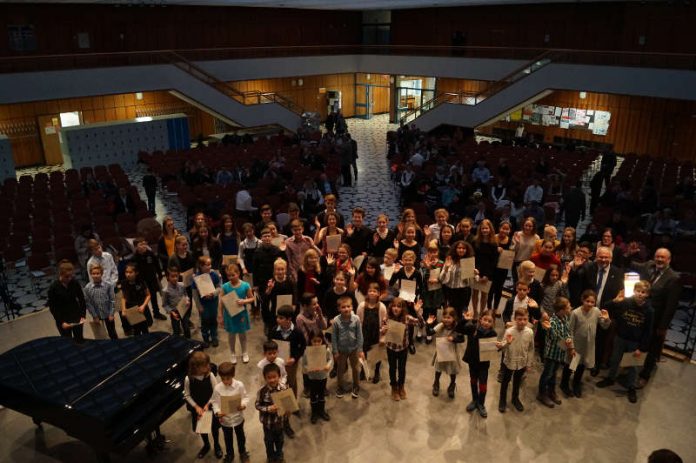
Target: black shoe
376,377
450,390
566,391
436,389
289,432
632,397
412,349
333,373
428,339
544,399
324,416
473,405
204,345
501,407
606,382
482,410
517,404
577,391
159,316
314,418
218,452
216,343
204,451
419,338
228,458
594,372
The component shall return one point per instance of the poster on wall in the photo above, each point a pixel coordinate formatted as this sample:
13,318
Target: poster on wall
568,118
601,122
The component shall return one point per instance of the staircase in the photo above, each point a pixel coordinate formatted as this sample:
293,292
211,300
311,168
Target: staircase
205,91
506,95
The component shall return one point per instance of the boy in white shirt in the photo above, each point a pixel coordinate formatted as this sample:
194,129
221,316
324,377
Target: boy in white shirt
270,355
233,421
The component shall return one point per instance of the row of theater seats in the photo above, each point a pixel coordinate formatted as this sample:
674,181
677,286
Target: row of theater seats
170,165
46,212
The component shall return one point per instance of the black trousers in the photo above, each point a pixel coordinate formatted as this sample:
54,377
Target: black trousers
75,332
397,366
516,376
241,438
316,390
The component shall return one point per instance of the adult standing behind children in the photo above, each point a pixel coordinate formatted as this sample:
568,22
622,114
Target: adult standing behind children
67,302
664,299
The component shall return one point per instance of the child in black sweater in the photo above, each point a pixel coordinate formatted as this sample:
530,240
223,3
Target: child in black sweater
478,370
634,319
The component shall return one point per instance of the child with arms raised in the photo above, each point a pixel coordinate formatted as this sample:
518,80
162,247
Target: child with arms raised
478,370
583,329
445,330
397,353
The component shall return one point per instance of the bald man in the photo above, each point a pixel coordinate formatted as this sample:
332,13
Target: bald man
664,298
607,280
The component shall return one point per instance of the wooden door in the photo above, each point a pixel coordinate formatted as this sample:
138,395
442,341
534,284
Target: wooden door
49,128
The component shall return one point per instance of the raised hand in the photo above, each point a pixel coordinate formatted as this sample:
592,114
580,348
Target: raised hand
604,314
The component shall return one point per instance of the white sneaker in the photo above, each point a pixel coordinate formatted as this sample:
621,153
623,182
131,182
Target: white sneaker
234,359
245,357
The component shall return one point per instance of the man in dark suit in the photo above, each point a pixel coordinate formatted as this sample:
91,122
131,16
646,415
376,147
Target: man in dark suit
607,281
664,298
123,202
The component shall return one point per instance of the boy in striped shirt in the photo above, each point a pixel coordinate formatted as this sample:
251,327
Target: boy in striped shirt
99,298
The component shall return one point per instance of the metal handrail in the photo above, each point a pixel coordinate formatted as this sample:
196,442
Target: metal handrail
462,97
196,71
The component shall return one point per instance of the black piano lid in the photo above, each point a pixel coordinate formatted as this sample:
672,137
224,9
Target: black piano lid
97,378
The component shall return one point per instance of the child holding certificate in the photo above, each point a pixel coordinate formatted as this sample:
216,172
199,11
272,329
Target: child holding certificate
317,376
397,346
237,324
175,301
517,358
634,319
135,294
446,358
271,421
198,391
433,296
478,367
408,273
583,329
557,342
229,401
457,289
372,314
209,301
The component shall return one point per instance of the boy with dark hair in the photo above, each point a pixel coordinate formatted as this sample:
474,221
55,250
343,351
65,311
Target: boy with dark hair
286,331
150,271
272,423
358,236
264,257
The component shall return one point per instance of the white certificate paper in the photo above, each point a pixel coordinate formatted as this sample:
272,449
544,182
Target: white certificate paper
395,332
204,425
204,284
229,301
467,266
445,350
407,290
506,259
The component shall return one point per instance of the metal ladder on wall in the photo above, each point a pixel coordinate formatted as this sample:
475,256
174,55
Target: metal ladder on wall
472,98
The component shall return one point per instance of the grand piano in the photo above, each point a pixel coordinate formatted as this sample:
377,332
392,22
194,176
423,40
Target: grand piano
109,394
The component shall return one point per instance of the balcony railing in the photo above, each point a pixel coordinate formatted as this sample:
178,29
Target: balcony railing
33,63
